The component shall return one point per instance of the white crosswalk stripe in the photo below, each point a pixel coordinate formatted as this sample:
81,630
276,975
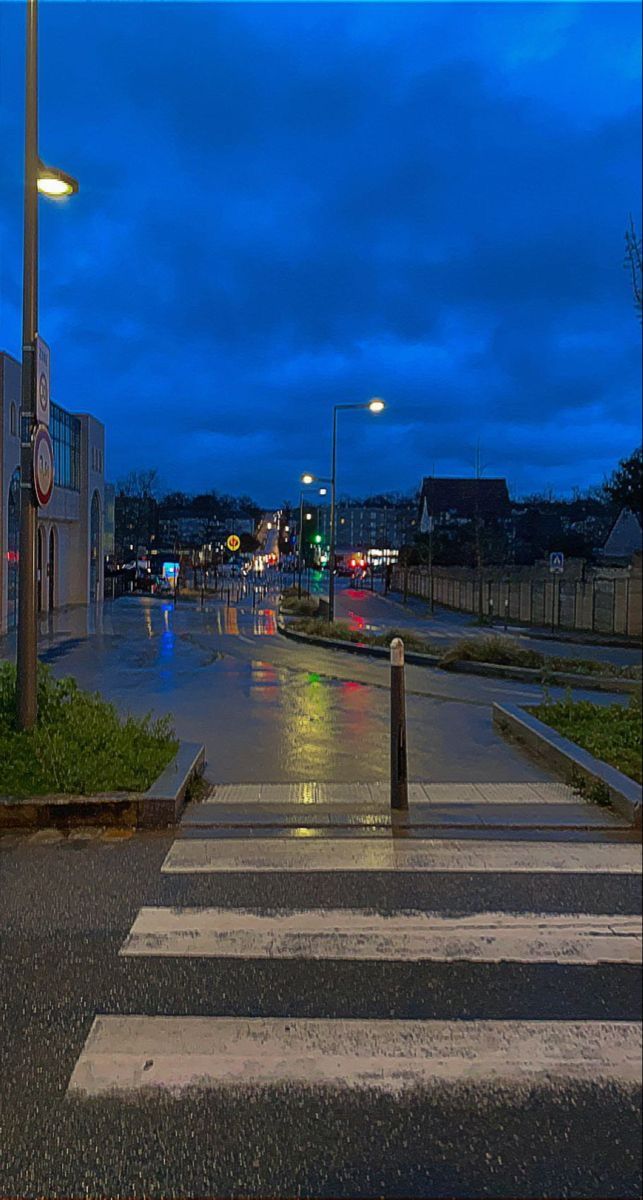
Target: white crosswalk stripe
174,1053
369,854
359,935
132,1054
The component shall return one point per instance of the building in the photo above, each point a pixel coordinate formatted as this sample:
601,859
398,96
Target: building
367,527
70,546
453,502
625,538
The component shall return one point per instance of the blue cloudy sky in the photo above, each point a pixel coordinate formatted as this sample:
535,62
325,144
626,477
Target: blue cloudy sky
287,206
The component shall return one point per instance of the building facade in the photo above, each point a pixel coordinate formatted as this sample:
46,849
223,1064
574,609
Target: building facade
367,527
70,541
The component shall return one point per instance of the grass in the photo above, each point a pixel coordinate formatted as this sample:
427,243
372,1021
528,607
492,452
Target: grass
493,649
307,606
506,652
80,745
341,631
611,732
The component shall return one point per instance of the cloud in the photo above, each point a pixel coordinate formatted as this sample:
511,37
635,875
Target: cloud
284,207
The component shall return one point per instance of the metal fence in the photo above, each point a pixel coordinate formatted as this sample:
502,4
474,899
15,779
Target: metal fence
599,604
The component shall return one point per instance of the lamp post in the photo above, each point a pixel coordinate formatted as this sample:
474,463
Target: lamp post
50,182
375,406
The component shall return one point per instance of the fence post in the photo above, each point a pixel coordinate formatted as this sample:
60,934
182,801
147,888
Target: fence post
399,765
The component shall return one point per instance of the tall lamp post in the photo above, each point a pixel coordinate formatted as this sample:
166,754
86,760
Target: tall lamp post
54,183
376,405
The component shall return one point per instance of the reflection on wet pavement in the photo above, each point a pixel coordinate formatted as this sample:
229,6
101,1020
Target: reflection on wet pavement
269,709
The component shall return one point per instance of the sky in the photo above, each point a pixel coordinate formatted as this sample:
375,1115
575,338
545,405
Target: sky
284,207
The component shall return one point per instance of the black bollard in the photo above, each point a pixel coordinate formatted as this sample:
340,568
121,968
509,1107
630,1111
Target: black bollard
399,764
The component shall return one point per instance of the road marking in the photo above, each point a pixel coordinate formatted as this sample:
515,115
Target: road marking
363,854
129,1054
358,934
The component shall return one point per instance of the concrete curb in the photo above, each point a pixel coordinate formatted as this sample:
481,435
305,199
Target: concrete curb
490,670
157,808
570,760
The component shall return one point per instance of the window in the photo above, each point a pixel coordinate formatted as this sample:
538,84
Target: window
13,420
65,433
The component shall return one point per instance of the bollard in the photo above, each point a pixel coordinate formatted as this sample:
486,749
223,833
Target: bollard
399,765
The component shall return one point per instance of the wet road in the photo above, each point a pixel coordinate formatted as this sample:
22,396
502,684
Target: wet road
371,610
268,709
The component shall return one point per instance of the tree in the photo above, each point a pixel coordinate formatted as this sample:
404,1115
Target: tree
140,484
625,486
633,260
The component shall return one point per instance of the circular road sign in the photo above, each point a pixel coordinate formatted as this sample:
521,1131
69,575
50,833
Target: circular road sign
43,396
233,542
43,466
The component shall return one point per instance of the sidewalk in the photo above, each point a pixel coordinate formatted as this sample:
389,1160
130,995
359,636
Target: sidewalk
317,809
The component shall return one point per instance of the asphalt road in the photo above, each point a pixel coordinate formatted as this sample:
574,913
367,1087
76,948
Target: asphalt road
69,904
268,709
363,608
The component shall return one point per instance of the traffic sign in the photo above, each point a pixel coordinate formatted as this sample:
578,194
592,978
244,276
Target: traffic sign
557,562
42,381
233,542
43,466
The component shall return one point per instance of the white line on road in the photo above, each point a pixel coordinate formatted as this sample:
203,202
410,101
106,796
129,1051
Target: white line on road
129,1054
358,934
426,855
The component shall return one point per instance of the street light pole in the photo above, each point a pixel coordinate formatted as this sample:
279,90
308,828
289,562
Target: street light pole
331,558
26,686
375,406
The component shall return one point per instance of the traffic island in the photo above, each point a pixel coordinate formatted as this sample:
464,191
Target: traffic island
591,777
354,642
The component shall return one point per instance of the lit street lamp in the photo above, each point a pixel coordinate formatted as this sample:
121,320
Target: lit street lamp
376,405
54,183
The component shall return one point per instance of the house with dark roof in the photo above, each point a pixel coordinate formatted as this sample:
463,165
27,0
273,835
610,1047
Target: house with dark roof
452,502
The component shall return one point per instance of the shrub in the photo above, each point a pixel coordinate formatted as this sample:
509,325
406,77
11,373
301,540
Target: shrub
79,745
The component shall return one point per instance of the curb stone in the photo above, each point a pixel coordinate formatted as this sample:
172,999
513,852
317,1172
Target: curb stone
569,760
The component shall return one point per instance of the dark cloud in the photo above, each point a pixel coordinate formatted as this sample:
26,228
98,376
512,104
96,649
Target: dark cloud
285,206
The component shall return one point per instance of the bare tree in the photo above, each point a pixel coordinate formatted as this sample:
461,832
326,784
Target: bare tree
633,260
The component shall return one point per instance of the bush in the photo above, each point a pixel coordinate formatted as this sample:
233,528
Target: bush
80,745
611,732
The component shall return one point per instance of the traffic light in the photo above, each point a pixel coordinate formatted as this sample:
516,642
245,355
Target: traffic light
318,539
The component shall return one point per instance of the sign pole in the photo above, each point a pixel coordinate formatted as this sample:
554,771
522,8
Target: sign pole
27,663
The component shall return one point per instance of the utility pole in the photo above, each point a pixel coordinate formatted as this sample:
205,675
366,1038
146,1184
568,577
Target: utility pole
27,663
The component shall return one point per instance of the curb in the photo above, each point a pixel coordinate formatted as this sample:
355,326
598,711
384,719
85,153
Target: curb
465,667
158,808
569,760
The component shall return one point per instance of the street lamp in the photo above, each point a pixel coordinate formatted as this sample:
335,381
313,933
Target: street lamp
375,405
54,183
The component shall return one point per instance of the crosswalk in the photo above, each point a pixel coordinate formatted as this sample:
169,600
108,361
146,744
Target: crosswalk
279,913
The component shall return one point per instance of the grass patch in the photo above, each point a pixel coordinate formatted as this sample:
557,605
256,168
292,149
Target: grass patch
506,652
341,631
307,606
80,745
611,732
